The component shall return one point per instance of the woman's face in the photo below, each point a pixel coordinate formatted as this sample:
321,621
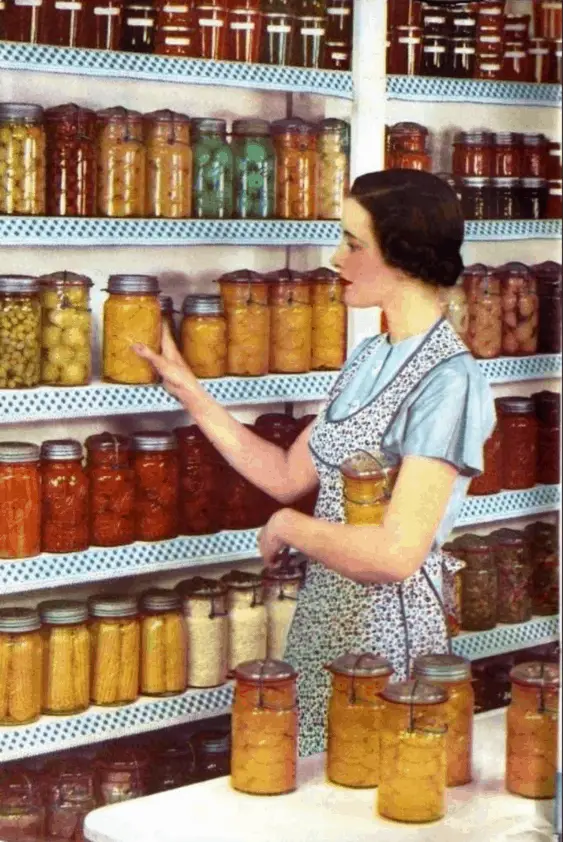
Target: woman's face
359,260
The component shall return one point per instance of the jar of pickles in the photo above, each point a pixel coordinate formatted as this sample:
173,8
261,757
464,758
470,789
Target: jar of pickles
244,26
354,719
111,489
176,29
295,143
333,145
453,674
20,331
278,27
490,481
519,435
155,465
164,644
413,758
213,170
103,24
169,164
64,497
66,355
201,480
63,22
70,161
329,323
549,277
69,797
248,621
22,813
66,656
245,301
482,288
254,169
22,158
131,314
281,588
511,555
264,728
115,649
290,322
137,31
544,552
455,309
519,309
368,481
204,335
121,163
121,775
548,414
20,509
205,612
531,730
479,585
473,155
23,21
20,666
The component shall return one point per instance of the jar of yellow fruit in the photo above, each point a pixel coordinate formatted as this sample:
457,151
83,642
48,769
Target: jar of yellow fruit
291,322
245,299
368,481
66,354
204,335
20,666
131,315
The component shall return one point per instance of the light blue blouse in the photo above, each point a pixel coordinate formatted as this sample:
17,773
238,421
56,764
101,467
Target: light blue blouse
449,415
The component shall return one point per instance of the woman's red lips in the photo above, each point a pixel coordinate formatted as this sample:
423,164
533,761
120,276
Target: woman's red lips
345,282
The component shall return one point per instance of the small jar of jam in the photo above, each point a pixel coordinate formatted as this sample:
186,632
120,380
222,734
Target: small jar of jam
515,62
489,66
243,30
477,198
511,553
64,497
278,27
507,195
338,35
463,57
103,21
473,155
137,32
490,481
212,18
519,433
112,489
204,335
548,414
408,147
544,550
554,207
200,482
539,60
155,464
547,19
310,31
71,161
519,309
548,275
405,51
533,198
23,21
507,155
435,57
176,32
482,288
534,156
63,22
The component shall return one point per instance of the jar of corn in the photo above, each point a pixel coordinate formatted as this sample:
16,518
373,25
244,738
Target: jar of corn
115,650
20,666
164,644
66,656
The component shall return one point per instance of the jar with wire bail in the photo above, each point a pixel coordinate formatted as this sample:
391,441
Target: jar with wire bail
164,644
254,169
333,145
520,309
484,305
368,481
245,301
70,160
20,332
66,335
295,142
281,589
291,317
203,335
330,321
121,774
264,728
155,466
453,674
205,611
511,553
479,584
131,314
64,497
213,170
121,163
354,718
111,490
66,656
248,621
20,500
176,28
22,158
115,649
169,164
20,666
244,30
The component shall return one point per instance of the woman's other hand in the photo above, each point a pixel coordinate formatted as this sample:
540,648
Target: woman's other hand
177,378
270,540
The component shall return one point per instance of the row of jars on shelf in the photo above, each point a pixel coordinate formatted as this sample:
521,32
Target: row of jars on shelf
304,33
71,161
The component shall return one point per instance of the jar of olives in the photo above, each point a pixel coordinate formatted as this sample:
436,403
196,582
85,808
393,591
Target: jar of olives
71,161
245,299
169,165
291,317
333,144
254,169
20,331
131,314
213,170
22,157
204,335
121,163
296,160
66,331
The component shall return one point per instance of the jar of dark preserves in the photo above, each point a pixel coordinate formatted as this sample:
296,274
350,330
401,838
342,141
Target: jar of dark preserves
122,774
507,198
491,682
213,754
103,21
435,55
556,66
507,155
518,429
490,481
539,60
282,430
403,13
23,20
462,57
405,51
176,29
544,550
490,15
278,27
436,18
482,289
338,35
515,62
473,155
547,18
549,279
464,21
488,66
71,161
548,414
533,198
489,44
408,147
201,472
554,207
172,766
517,28
309,36
63,22
68,787
243,30
242,511
477,198
511,554
554,164
519,309
479,589
137,32
212,28
534,156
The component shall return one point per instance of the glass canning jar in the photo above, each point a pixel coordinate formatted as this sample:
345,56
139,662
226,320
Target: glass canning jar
548,414
413,759
203,335
164,644
534,156
462,57
408,147
520,309
64,497
172,766
248,620
310,33
245,509
455,309
70,161
531,730
436,55
515,62
167,313
20,332
489,66
544,551
554,165
473,154
479,588
68,787
539,59
511,552
200,482
20,507
477,198
333,145
533,198
63,22
205,612
121,158
554,204
131,314
121,775
507,155
368,481
22,812
405,52
22,159
490,481
278,28
453,674
517,28
507,198
295,143
155,463
213,170
330,321
548,18
20,666
115,649
484,304
212,18
137,30
111,489
264,728
354,719
254,169
291,318
23,21
169,165
66,656
556,71
519,433
549,278
213,754
176,28
245,301
281,589
338,35
244,25
403,13
436,18
66,354
103,24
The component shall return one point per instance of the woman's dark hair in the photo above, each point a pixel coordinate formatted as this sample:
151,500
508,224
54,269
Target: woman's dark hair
417,220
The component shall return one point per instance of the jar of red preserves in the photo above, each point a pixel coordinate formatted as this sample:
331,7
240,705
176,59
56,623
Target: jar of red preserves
519,309
212,25
176,29
511,554
403,13
20,501
436,18
515,62
554,164
507,155
554,207
64,514
548,414
405,51
103,21
549,279
112,490
242,511
507,198
68,787
137,32
473,155
408,147
338,35
517,28
243,30
155,464
23,20
310,31
490,44
464,21
490,481
71,161
477,198
462,57
491,15
547,18
484,304
435,57
534,156
533,198
539,60
544,550
278,27
556,66
488,66
63,22
201,482
519,434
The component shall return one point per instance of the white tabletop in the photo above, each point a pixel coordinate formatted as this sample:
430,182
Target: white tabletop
321,812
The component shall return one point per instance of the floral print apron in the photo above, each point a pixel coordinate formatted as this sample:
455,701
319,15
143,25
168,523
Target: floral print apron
334,615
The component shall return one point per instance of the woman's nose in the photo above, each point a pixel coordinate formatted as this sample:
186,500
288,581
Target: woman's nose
336,259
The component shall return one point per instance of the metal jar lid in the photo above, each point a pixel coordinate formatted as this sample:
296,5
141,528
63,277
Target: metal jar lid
533,183
23,112
288,276
239,581
18,452
506,538
133,284
282,573
18,620
474,138
251,127
536,674
198,587
533,139
442,668
476,181
160,599
293,125
108,442
506,138
61,450
505,182
63,612
361,665
331,125
19,284
367,464
208,125
265,670
119,114
515,405
165,115
414,692
112,606
322,275
405,127
214,742
153,440
241,276
71,279
478,269
166,303
201,305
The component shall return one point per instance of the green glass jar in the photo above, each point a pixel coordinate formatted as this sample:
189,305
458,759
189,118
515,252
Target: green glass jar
255,169
213,170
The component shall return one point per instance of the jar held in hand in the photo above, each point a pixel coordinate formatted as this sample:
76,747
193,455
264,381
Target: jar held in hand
131,315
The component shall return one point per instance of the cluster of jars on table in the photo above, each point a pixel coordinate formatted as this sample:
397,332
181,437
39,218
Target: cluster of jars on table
71,161
304,33
496,175
475,40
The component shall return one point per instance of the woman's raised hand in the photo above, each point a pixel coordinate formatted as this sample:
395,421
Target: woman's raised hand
177,378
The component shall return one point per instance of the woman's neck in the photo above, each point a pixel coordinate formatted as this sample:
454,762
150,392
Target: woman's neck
413,310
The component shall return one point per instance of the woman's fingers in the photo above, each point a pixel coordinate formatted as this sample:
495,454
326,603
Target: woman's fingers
169,347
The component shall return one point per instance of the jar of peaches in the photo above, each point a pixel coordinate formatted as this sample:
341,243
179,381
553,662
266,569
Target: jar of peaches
121,163
520,309
131,314
66,355
295,142
291,317
155,464
330,321
169,164
354,718
368,481
245,302
334,164
203,336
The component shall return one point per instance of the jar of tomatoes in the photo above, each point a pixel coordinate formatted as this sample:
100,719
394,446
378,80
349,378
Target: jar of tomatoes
548,414
490,481
103,22
278,27
131,314
484,304
66,331
201,482
169,164
255,169
245,302
512,558
164,644
21,652
334,163
176,29
71,161
155,465
22,143
519,432
66,656
121,163
543,542
112,489
64,483
295,143
244,25
290,322
473,155
213,170
137,31
520,308
20,509
549,276
329,324
203,335
212,16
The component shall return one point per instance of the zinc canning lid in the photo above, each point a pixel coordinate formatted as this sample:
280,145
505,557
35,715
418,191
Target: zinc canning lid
112,605
536,674
160,599
166,303
61,450
266,671
19,620
133,284
365,465
442,668
19,284
515,405
153,440
18,452
251,127
200,587
165,115
21,112
202,305
414,692
361,665
63,612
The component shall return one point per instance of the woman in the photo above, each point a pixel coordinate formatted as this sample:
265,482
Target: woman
416,395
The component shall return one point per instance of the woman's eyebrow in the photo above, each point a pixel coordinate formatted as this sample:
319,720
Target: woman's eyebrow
353,237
